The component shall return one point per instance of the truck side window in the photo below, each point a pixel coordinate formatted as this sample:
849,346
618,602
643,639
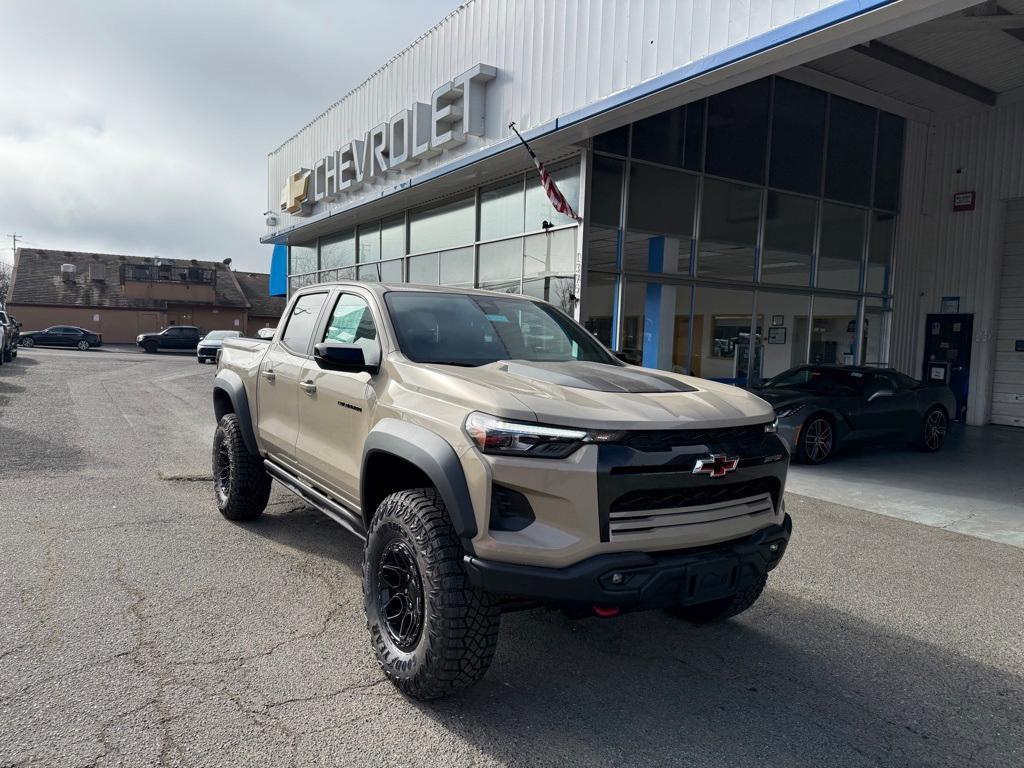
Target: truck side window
303,317
352,323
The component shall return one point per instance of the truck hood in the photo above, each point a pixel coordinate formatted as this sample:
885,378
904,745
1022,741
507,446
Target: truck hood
779,397
594,395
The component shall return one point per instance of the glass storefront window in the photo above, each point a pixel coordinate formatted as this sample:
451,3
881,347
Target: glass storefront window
597,309
443,226
302,258
660,220
549,266
392,237
657,315
737,132
382,271
369,242
798,137
876,333
721,334
833,331
671,138
457,267
423,269
851,147
615,141
338,250
728,236
781,334
538,207
502,209
606,191
880,243
501,265
842,246
788,239
888,159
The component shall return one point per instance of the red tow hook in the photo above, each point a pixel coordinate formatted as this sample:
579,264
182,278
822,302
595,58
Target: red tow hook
606,611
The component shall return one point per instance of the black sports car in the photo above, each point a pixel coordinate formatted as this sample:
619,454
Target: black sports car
823,407
62,336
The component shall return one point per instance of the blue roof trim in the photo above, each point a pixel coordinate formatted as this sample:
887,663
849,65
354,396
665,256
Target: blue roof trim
827,17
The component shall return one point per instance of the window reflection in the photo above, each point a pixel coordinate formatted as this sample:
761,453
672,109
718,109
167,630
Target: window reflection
729,219
842,247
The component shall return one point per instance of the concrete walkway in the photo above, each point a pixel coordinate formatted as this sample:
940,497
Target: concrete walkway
975,485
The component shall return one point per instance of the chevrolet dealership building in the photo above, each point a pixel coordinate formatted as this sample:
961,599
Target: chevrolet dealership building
760,183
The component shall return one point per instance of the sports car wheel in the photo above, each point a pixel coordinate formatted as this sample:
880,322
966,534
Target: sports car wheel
934,427
817,440
29,342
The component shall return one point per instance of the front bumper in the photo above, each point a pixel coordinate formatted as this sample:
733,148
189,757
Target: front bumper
645,579
207,353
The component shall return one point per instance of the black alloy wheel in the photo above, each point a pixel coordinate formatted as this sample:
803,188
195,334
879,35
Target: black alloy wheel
28,341
400,594
936,425
221,471
817,441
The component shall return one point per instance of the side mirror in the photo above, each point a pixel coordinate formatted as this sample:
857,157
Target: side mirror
880,393
621,356
349,358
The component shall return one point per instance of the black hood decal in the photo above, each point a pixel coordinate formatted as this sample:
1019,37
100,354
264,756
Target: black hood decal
597,377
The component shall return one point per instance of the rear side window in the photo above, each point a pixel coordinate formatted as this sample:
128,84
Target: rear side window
303,317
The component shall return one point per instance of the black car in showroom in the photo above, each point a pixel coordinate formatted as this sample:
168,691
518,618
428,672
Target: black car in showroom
61,336
822,408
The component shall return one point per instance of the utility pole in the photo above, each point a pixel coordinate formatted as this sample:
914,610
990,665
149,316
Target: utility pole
15,237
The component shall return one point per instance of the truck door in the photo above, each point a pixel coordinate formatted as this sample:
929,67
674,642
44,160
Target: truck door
334,406
277,393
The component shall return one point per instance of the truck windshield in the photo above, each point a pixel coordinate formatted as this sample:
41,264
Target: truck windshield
472,330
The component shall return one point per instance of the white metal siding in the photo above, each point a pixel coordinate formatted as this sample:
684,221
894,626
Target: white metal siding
942,253
553,57
1008,382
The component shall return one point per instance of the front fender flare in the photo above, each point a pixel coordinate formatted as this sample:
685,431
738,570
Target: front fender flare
231,384
432,454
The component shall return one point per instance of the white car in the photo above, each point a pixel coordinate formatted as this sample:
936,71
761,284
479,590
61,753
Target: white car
209,345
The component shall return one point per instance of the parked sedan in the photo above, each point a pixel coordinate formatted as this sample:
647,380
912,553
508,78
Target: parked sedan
824,407
210,344
62,336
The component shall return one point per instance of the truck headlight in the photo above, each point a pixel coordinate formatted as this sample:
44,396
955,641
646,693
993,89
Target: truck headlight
772,426
515,438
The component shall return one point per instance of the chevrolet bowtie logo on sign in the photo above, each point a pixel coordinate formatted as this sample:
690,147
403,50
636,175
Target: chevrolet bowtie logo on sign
412,135
295,193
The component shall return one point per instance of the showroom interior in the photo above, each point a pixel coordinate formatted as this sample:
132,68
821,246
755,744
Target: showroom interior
849,193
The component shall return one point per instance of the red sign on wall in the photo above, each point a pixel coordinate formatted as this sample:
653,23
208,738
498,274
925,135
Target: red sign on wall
963,201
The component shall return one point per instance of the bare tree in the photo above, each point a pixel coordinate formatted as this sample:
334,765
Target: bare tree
5,280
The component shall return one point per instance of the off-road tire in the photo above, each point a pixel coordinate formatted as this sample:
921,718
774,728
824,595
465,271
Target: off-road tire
150,347
726,608
808,454
29,342
458,622
240,482
926,440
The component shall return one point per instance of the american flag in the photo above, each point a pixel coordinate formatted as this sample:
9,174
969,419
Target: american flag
558,201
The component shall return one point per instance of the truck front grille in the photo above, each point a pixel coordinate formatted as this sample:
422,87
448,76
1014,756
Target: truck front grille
654,440
646,499
634,524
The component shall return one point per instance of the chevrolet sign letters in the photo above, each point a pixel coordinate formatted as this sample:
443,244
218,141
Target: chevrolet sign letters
409,137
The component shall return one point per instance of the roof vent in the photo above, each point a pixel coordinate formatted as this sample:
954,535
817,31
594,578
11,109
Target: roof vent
98,272
67,272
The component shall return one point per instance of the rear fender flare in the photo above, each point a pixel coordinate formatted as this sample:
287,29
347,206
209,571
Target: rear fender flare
432,454
230,384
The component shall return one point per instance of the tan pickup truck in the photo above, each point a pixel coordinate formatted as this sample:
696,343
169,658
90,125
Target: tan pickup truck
493,456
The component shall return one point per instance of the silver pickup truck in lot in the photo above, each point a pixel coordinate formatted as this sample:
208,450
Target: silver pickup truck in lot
493,456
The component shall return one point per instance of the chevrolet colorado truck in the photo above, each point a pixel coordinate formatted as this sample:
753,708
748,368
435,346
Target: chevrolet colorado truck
493,456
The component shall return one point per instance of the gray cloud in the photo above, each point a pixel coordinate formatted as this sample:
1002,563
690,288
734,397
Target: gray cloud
143,128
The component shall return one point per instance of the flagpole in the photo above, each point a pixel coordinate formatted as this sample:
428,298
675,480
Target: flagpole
542,172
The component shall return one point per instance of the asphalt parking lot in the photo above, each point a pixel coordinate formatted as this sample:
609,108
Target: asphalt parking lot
141,628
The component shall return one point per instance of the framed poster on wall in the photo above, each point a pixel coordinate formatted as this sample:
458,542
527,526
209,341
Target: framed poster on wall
776,335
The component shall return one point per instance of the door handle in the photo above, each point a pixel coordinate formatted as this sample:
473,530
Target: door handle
308,387
268,375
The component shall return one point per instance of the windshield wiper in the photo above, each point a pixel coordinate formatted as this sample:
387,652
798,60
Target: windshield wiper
459,363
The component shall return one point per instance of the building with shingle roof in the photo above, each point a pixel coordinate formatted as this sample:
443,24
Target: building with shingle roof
120,296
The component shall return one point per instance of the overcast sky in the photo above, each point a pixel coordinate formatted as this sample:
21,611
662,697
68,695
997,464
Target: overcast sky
143,127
